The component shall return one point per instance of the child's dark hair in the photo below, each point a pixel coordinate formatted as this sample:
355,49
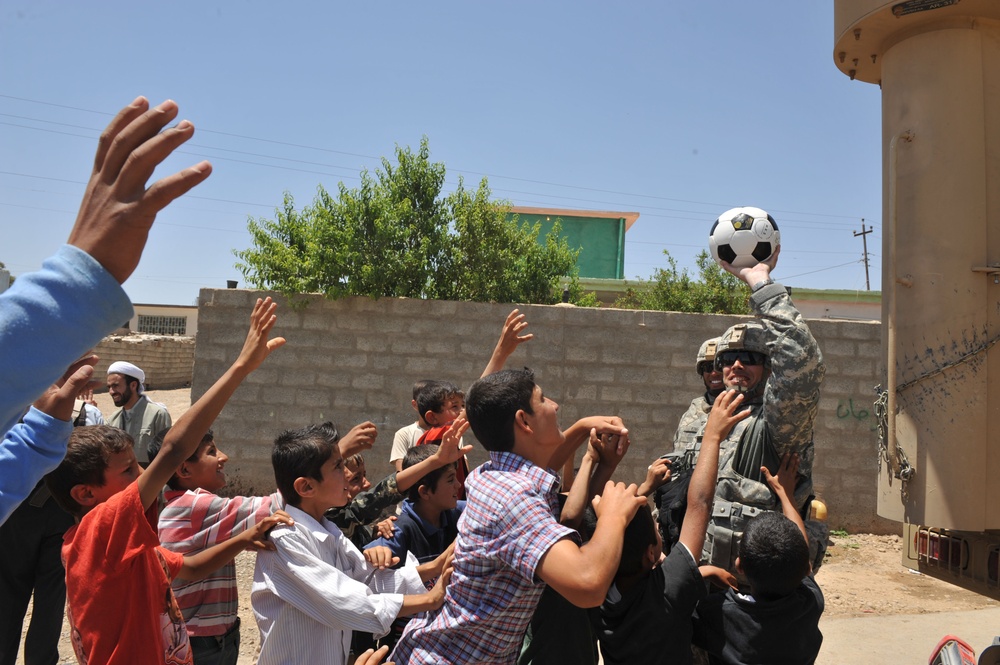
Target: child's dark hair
87,455
774,555
494,401
153,449
301,453
639,535
420,385
433,396
415,456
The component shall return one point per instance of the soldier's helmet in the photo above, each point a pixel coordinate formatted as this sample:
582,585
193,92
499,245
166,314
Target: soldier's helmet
706,355
747,336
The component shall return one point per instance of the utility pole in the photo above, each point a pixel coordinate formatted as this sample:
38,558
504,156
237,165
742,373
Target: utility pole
864,242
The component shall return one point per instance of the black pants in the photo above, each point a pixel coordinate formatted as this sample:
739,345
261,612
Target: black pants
30,544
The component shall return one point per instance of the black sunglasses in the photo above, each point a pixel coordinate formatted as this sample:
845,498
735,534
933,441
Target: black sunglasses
746,358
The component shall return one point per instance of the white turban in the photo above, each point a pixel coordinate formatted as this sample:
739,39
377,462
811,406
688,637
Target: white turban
128,369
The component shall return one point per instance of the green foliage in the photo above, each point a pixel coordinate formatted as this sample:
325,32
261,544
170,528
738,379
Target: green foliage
673,290
397,236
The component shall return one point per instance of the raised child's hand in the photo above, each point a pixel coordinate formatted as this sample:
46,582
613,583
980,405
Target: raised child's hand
784,482
449,451
257,346
361,437
617,499
256,537
610,446
657,474
59,399
510,336
724,415
118,208
380,557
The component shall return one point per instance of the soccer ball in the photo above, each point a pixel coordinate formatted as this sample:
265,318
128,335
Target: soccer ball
743,237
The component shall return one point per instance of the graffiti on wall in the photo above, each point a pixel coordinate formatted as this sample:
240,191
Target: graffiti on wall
860,411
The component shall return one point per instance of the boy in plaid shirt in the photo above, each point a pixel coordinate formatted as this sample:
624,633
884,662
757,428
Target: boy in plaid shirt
510,543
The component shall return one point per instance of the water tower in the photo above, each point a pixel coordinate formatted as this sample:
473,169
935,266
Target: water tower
938,65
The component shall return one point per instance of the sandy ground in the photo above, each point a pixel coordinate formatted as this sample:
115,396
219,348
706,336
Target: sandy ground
862,575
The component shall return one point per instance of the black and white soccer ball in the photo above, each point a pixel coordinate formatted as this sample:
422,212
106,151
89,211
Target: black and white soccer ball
743,237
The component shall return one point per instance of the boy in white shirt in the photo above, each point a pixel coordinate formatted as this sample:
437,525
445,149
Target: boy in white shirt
316,587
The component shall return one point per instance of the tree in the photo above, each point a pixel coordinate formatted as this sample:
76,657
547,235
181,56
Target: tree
673,290
397,236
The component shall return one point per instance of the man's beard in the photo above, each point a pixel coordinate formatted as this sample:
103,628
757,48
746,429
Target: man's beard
124,398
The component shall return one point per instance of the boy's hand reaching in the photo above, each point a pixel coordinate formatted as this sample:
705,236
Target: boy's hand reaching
724,415
59,399
719,577
610,446
658,473
618,500
784,482
510,336
380,557
118,208
256,538
361,437
257,346
449,451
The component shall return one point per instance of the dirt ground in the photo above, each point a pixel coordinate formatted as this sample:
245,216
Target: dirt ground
862,575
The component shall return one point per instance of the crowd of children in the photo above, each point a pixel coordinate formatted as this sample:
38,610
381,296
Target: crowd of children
345,567
341,572
503,563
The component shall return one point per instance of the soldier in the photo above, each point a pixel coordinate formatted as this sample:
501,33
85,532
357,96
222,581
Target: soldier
692,423
671,497
777,364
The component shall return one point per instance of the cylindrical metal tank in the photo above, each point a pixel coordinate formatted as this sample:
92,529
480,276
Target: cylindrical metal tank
938,64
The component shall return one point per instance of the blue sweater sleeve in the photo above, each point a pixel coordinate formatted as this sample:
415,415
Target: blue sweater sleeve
28,451
50,318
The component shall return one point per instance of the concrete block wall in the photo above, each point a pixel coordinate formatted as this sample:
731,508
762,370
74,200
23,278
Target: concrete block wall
167,361
355,359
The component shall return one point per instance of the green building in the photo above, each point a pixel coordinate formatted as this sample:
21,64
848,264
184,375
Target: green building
598,234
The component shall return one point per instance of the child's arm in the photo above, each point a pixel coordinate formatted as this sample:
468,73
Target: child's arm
426,602
201,565
603,455
509,340
701,491
576,500
579,432
183,438
657,474
359,439
784,486
448,452
582,575
719,577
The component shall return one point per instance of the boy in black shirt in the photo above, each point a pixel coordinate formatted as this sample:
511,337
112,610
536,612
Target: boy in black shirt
778,621
646,616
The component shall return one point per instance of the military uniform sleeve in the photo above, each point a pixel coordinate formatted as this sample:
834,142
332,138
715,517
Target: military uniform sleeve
368,505
791,397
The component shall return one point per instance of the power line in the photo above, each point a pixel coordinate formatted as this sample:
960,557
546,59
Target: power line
456,169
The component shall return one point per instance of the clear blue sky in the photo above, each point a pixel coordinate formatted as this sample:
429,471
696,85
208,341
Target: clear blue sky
677,111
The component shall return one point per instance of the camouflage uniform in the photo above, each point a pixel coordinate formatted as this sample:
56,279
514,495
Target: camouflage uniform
781,421
691,426
367,507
